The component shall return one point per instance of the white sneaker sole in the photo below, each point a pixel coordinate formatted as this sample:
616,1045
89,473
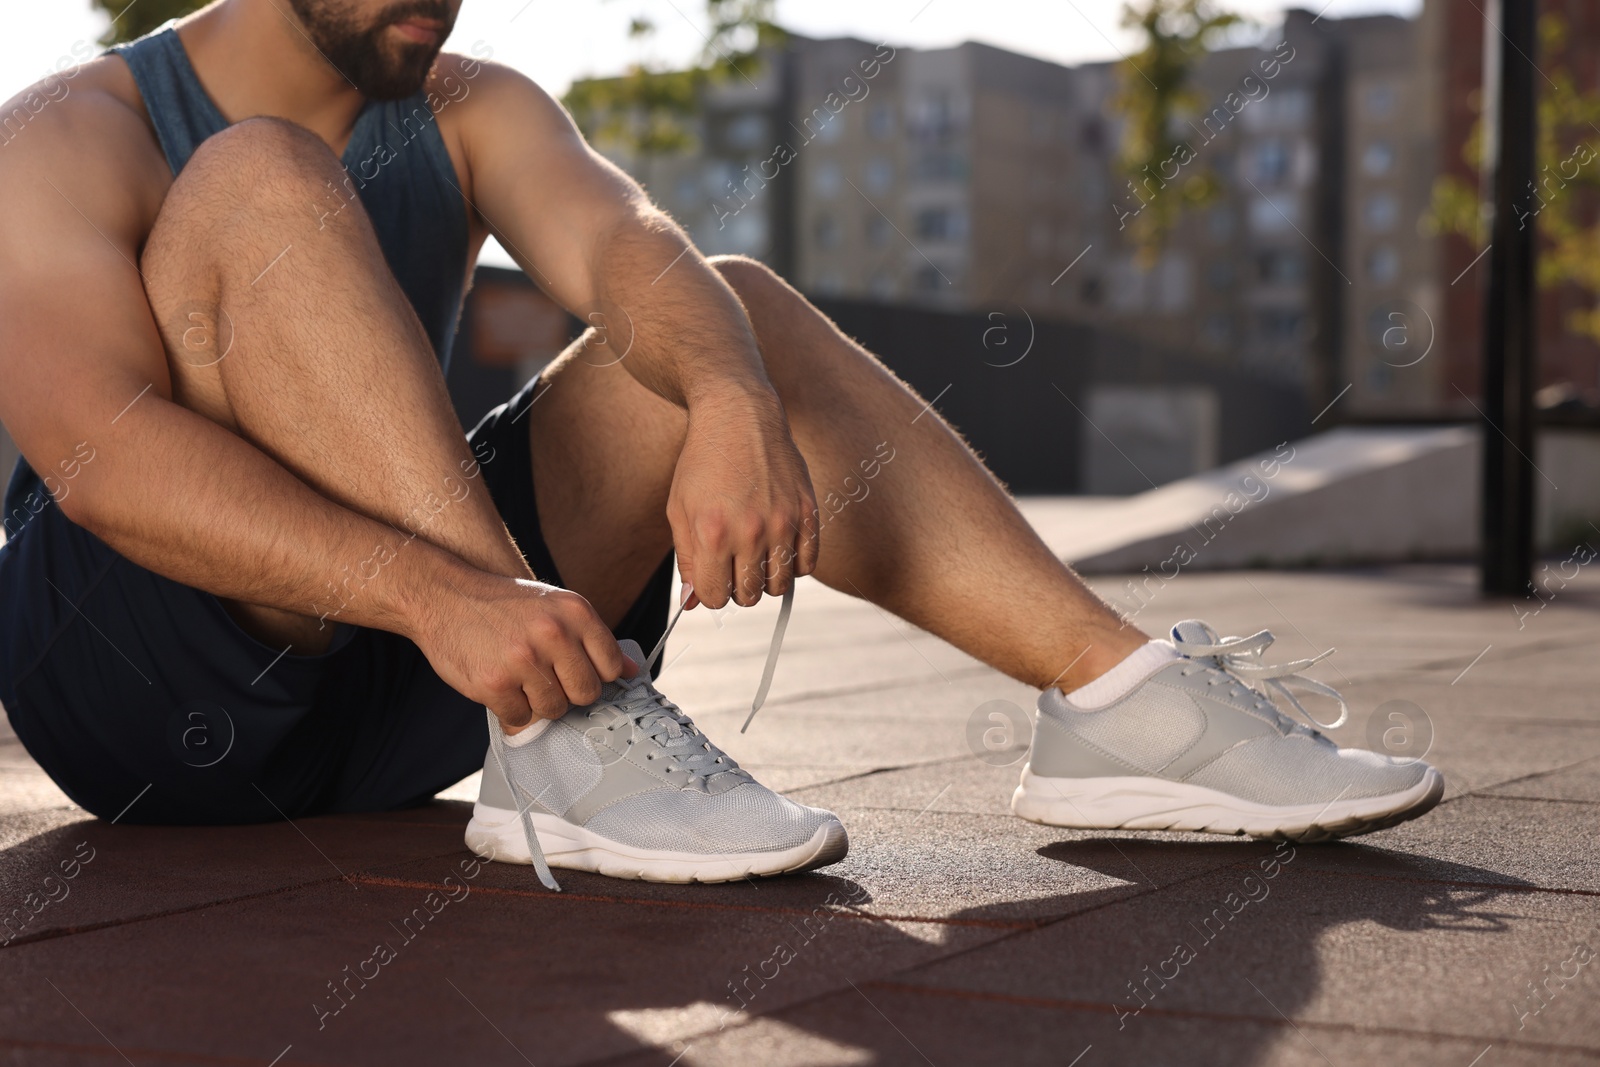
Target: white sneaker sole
1142,803
496,834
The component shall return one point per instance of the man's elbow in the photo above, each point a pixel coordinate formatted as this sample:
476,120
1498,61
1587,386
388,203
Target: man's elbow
79,506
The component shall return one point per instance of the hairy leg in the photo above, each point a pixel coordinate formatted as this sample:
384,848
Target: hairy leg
935,539
930,535
283,324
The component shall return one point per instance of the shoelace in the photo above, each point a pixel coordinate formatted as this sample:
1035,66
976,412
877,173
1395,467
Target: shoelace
663,716
648,713
1240,658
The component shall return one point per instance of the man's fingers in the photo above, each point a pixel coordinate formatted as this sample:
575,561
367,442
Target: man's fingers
751,580
512,709
808,544
546,697
575,673
610,662
713,579
780,568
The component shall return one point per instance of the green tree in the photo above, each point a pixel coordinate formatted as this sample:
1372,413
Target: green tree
1155,88
137,18
1562,204
650,109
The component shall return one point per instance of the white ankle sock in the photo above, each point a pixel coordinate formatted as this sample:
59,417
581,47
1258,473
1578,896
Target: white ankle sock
1124,678
534,729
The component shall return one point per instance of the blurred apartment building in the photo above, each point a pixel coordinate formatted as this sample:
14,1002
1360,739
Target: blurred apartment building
975,179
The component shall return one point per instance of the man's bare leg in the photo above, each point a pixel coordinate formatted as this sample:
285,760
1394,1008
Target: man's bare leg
936,540
330,373
283,324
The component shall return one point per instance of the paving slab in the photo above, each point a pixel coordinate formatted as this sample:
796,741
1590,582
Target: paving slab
893,1024
1578,784
953,933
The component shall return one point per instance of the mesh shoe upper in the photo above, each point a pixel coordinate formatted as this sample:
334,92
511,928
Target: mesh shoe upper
1198,721
634,768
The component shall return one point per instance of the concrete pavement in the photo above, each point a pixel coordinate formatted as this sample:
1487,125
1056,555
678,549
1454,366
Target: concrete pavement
953,933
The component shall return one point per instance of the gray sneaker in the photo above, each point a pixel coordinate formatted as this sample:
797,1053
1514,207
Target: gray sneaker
629,787
1196,747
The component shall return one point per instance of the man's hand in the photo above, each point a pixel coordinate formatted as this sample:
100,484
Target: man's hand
523,649
742,508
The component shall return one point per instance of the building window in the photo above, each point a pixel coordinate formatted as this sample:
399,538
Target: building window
1280,326
722,178
1380,101
827,179
880,175
1383,265
940,166
1381,212
1127,290
940,224
746,131
878,230
1280,266
829,283
1281,109
1383,327
1274,214
880,121
929,280
1378,158
1294,106
934,115
883,286
827,231
1271,161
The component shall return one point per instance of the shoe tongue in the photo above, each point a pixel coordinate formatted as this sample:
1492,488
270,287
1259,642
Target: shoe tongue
1194,632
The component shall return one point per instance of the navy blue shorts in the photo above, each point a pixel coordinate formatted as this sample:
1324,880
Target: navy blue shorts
124,684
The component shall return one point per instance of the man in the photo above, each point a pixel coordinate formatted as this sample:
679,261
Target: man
260,573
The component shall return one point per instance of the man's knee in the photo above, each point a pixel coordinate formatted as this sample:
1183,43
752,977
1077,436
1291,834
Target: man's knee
265,156
257,168
802,347
756,284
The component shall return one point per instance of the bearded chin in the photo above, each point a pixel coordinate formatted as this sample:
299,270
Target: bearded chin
379,67
381,73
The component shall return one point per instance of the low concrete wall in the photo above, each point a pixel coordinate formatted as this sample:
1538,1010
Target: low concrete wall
1354,495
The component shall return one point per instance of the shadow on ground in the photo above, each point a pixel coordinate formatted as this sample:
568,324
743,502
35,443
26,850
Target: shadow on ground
235,945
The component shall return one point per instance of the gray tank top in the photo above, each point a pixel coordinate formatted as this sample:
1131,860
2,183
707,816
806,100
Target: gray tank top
396,159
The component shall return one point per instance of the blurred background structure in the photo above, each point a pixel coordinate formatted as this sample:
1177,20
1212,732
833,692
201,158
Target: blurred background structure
1115,275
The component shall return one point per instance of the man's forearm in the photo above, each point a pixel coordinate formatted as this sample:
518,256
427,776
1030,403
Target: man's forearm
240,526
686,335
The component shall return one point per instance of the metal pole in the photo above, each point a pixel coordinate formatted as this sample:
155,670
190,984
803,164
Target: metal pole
1510,359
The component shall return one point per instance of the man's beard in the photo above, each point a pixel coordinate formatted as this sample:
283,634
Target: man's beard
379,67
